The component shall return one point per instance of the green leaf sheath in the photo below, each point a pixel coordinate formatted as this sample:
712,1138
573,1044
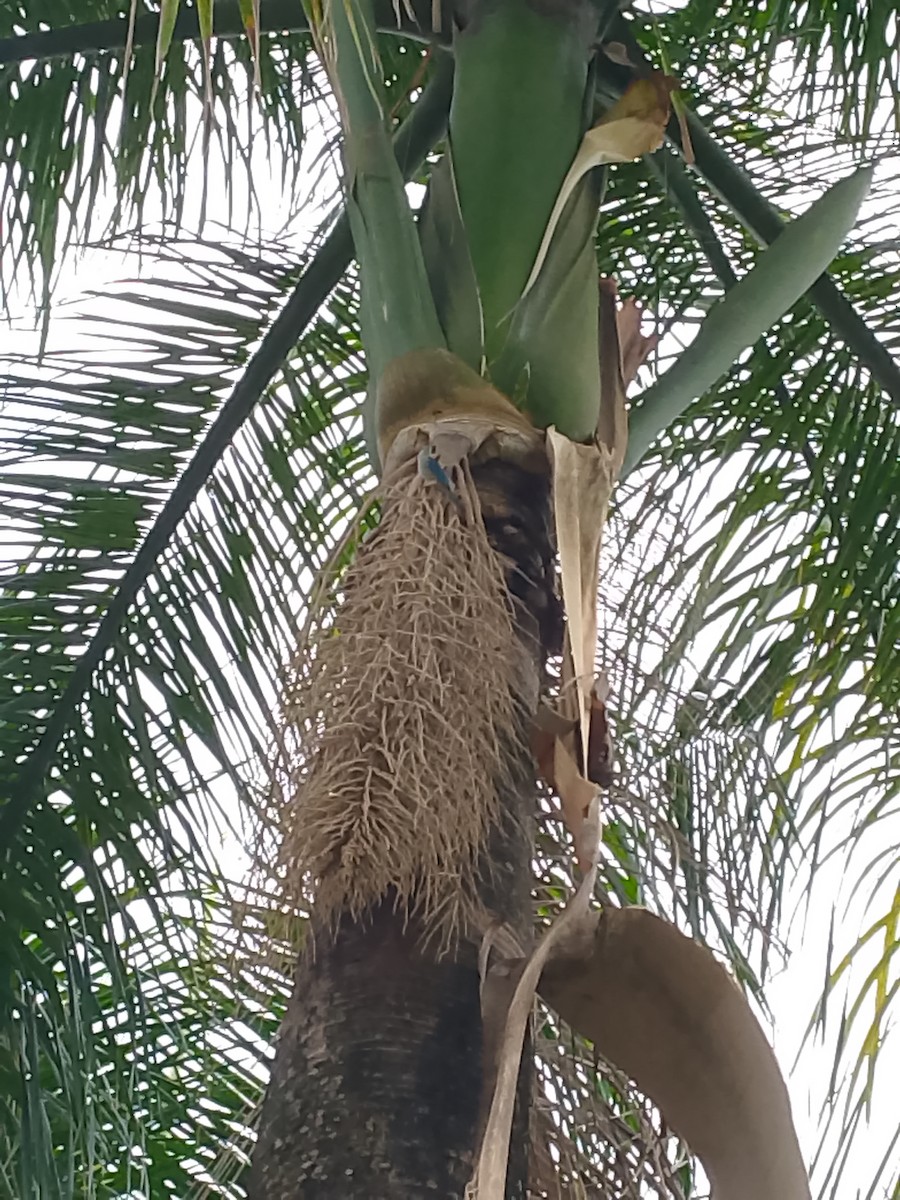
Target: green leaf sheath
515,125
551,360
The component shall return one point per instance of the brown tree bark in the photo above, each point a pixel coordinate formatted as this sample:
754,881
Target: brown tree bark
376,1086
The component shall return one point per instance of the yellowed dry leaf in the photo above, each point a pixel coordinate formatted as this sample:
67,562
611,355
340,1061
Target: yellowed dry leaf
612,420
658,1006
633,344
575,796
635,125
583,478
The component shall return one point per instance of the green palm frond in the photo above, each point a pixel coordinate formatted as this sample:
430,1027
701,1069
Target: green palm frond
77,161
81,159
839,59
778,547
125,910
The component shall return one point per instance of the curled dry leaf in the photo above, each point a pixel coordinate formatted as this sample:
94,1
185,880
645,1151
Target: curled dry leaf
634,345
551,727
555,749
576,794
658,1006
583,479
547,728
635,125
599,766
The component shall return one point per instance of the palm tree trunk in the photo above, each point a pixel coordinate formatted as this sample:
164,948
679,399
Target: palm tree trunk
376,1088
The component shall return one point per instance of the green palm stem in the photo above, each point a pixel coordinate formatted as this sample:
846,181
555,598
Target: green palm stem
397,311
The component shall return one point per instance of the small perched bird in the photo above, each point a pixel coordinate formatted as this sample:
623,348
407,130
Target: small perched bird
432,472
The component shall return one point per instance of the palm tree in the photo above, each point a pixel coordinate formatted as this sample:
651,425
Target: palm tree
217,633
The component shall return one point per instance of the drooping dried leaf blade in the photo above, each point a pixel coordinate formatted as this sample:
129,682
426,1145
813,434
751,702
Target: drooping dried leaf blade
575,796
554,745
583,478
635,125
658,1006
634,345
599,765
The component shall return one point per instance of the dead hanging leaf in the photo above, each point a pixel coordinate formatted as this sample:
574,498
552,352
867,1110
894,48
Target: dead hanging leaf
551,723
553,743
498,985
554,748
634,345
599,766
623,350
548,726
635,125
548,721
576,795
658,1006
560,772
583,479
568,936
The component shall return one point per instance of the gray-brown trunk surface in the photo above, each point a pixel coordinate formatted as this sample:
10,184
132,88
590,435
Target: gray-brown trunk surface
376,1087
